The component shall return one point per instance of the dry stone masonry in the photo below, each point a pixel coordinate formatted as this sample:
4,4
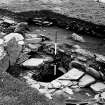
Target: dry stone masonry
31,56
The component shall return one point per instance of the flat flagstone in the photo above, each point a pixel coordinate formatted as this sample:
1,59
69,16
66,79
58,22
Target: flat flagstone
72,74
33,62
86,80
98,86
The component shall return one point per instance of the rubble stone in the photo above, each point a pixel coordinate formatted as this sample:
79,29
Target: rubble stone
76,37
33,62
98,86
65,83
86,80
34,40
55,84
10,36
8,20
1,41
21,43
103,95
81,58
68,90
93,72
34,46
77,64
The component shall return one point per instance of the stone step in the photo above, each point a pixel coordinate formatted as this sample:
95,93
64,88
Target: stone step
73,74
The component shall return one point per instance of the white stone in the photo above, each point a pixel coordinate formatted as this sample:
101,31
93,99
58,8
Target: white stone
8,20
37,86
56,84
32,35
99,86
73,74
1,41
76,37
1,50
102,1
34,46
86,80
103,95
48,58
68,90
21,42
76,47
34,40
65,83
10,36
33,62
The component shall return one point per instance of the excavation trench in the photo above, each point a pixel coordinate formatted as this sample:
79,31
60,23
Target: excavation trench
49,23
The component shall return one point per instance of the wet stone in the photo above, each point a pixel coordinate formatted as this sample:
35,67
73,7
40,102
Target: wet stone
98,86
73,74
86,80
